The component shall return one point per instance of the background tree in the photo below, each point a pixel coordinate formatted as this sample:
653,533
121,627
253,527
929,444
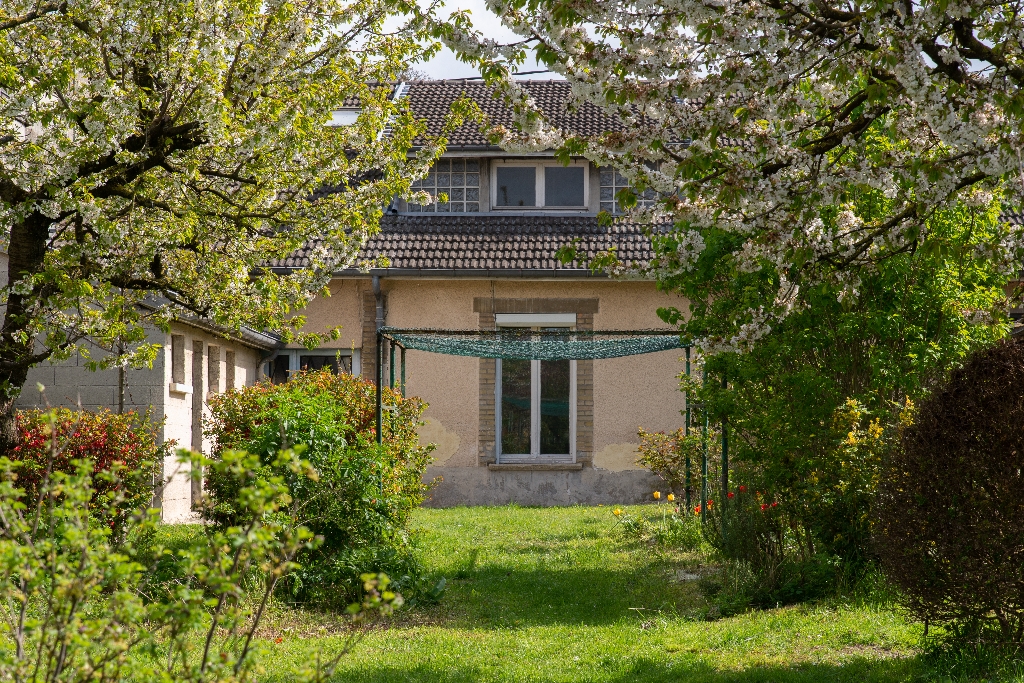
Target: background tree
813,406
761,120
168,150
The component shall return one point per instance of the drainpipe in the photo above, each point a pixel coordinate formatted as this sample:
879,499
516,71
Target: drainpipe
380,354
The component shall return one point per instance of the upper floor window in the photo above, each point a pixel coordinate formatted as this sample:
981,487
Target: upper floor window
611,182
528,184
459,179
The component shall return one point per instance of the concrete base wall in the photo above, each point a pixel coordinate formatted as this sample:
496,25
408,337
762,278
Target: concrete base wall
589,486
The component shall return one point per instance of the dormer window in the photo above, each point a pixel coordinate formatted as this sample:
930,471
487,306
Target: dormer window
458,179
536,185
344,117
611,182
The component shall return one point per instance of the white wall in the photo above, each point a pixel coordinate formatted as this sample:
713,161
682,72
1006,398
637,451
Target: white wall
70,383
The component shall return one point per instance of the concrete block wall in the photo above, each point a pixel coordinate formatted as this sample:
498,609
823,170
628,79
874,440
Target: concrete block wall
70,383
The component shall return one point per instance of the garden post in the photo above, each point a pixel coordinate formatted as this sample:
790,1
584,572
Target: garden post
704,459
391,365
725,465
686,432
403,372
380,381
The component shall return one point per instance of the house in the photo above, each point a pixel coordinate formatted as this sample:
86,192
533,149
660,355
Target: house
484,259
532,432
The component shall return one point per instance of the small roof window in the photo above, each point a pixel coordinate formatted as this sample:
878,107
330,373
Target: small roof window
343,117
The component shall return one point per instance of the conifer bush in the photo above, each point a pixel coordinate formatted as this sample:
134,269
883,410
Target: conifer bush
949,518
362,495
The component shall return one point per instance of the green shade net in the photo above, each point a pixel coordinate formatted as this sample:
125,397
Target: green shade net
525,344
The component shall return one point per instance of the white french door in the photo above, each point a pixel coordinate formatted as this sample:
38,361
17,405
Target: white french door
535,409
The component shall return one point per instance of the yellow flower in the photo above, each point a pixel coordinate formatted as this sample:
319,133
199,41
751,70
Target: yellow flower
617,512
670,497
657,495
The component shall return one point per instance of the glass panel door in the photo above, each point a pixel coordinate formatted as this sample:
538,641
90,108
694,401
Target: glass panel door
554,407
516,404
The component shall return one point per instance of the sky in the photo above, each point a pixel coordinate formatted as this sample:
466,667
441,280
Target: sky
445,64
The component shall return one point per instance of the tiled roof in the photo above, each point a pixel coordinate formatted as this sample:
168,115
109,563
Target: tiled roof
526,244
432,100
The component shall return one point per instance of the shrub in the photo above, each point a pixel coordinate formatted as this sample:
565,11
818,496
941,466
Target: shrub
363,494
949,518
77,607
124,450
666,455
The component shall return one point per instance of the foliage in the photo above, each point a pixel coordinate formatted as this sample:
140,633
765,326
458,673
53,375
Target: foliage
167,151
360,501
676,457
76,608
950,513
125,452
814,404
763,125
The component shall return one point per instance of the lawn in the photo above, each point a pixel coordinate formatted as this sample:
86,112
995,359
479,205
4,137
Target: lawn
559,595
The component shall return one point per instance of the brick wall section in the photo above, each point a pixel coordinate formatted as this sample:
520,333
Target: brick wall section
584,309
585,400
486,447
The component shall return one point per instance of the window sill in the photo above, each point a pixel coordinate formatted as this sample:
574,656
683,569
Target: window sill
179,388
536,467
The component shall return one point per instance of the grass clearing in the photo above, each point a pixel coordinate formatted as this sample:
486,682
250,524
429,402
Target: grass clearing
557,594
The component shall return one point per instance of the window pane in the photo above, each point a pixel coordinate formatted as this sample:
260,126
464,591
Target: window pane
330,362
517,186
563,186
554,407
515,407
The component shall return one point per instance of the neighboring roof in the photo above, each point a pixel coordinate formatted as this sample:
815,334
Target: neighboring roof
432,100
500,246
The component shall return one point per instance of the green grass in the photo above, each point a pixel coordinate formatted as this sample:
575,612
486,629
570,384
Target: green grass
558,594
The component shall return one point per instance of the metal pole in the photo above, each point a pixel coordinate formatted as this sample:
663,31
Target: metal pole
380,381
704,460
725,464
403,372
686,431
391,365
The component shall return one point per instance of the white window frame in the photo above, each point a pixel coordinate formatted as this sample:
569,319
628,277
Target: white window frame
535,320
539,184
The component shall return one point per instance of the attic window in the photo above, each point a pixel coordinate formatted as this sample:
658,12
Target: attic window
343,117
611,182
533,185
459,179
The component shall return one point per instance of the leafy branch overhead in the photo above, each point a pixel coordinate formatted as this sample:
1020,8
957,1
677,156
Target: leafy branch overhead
810,141
168,152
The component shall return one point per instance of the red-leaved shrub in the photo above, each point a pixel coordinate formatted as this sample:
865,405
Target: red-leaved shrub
125,452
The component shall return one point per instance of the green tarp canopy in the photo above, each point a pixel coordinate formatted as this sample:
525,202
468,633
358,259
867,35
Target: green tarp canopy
526,344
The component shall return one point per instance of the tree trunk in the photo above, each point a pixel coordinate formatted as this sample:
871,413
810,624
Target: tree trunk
26,253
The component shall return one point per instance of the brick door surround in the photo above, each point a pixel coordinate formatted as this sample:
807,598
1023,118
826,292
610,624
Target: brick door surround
486,308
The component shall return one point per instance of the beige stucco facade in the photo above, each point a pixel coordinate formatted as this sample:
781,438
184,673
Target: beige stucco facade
614,396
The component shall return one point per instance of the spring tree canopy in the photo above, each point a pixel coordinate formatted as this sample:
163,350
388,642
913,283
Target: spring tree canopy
166,150
759,123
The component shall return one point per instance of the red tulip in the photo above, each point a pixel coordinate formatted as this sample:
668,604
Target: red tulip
730,494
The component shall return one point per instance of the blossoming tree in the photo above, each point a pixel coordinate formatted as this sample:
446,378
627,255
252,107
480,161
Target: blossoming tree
164,152
806,140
